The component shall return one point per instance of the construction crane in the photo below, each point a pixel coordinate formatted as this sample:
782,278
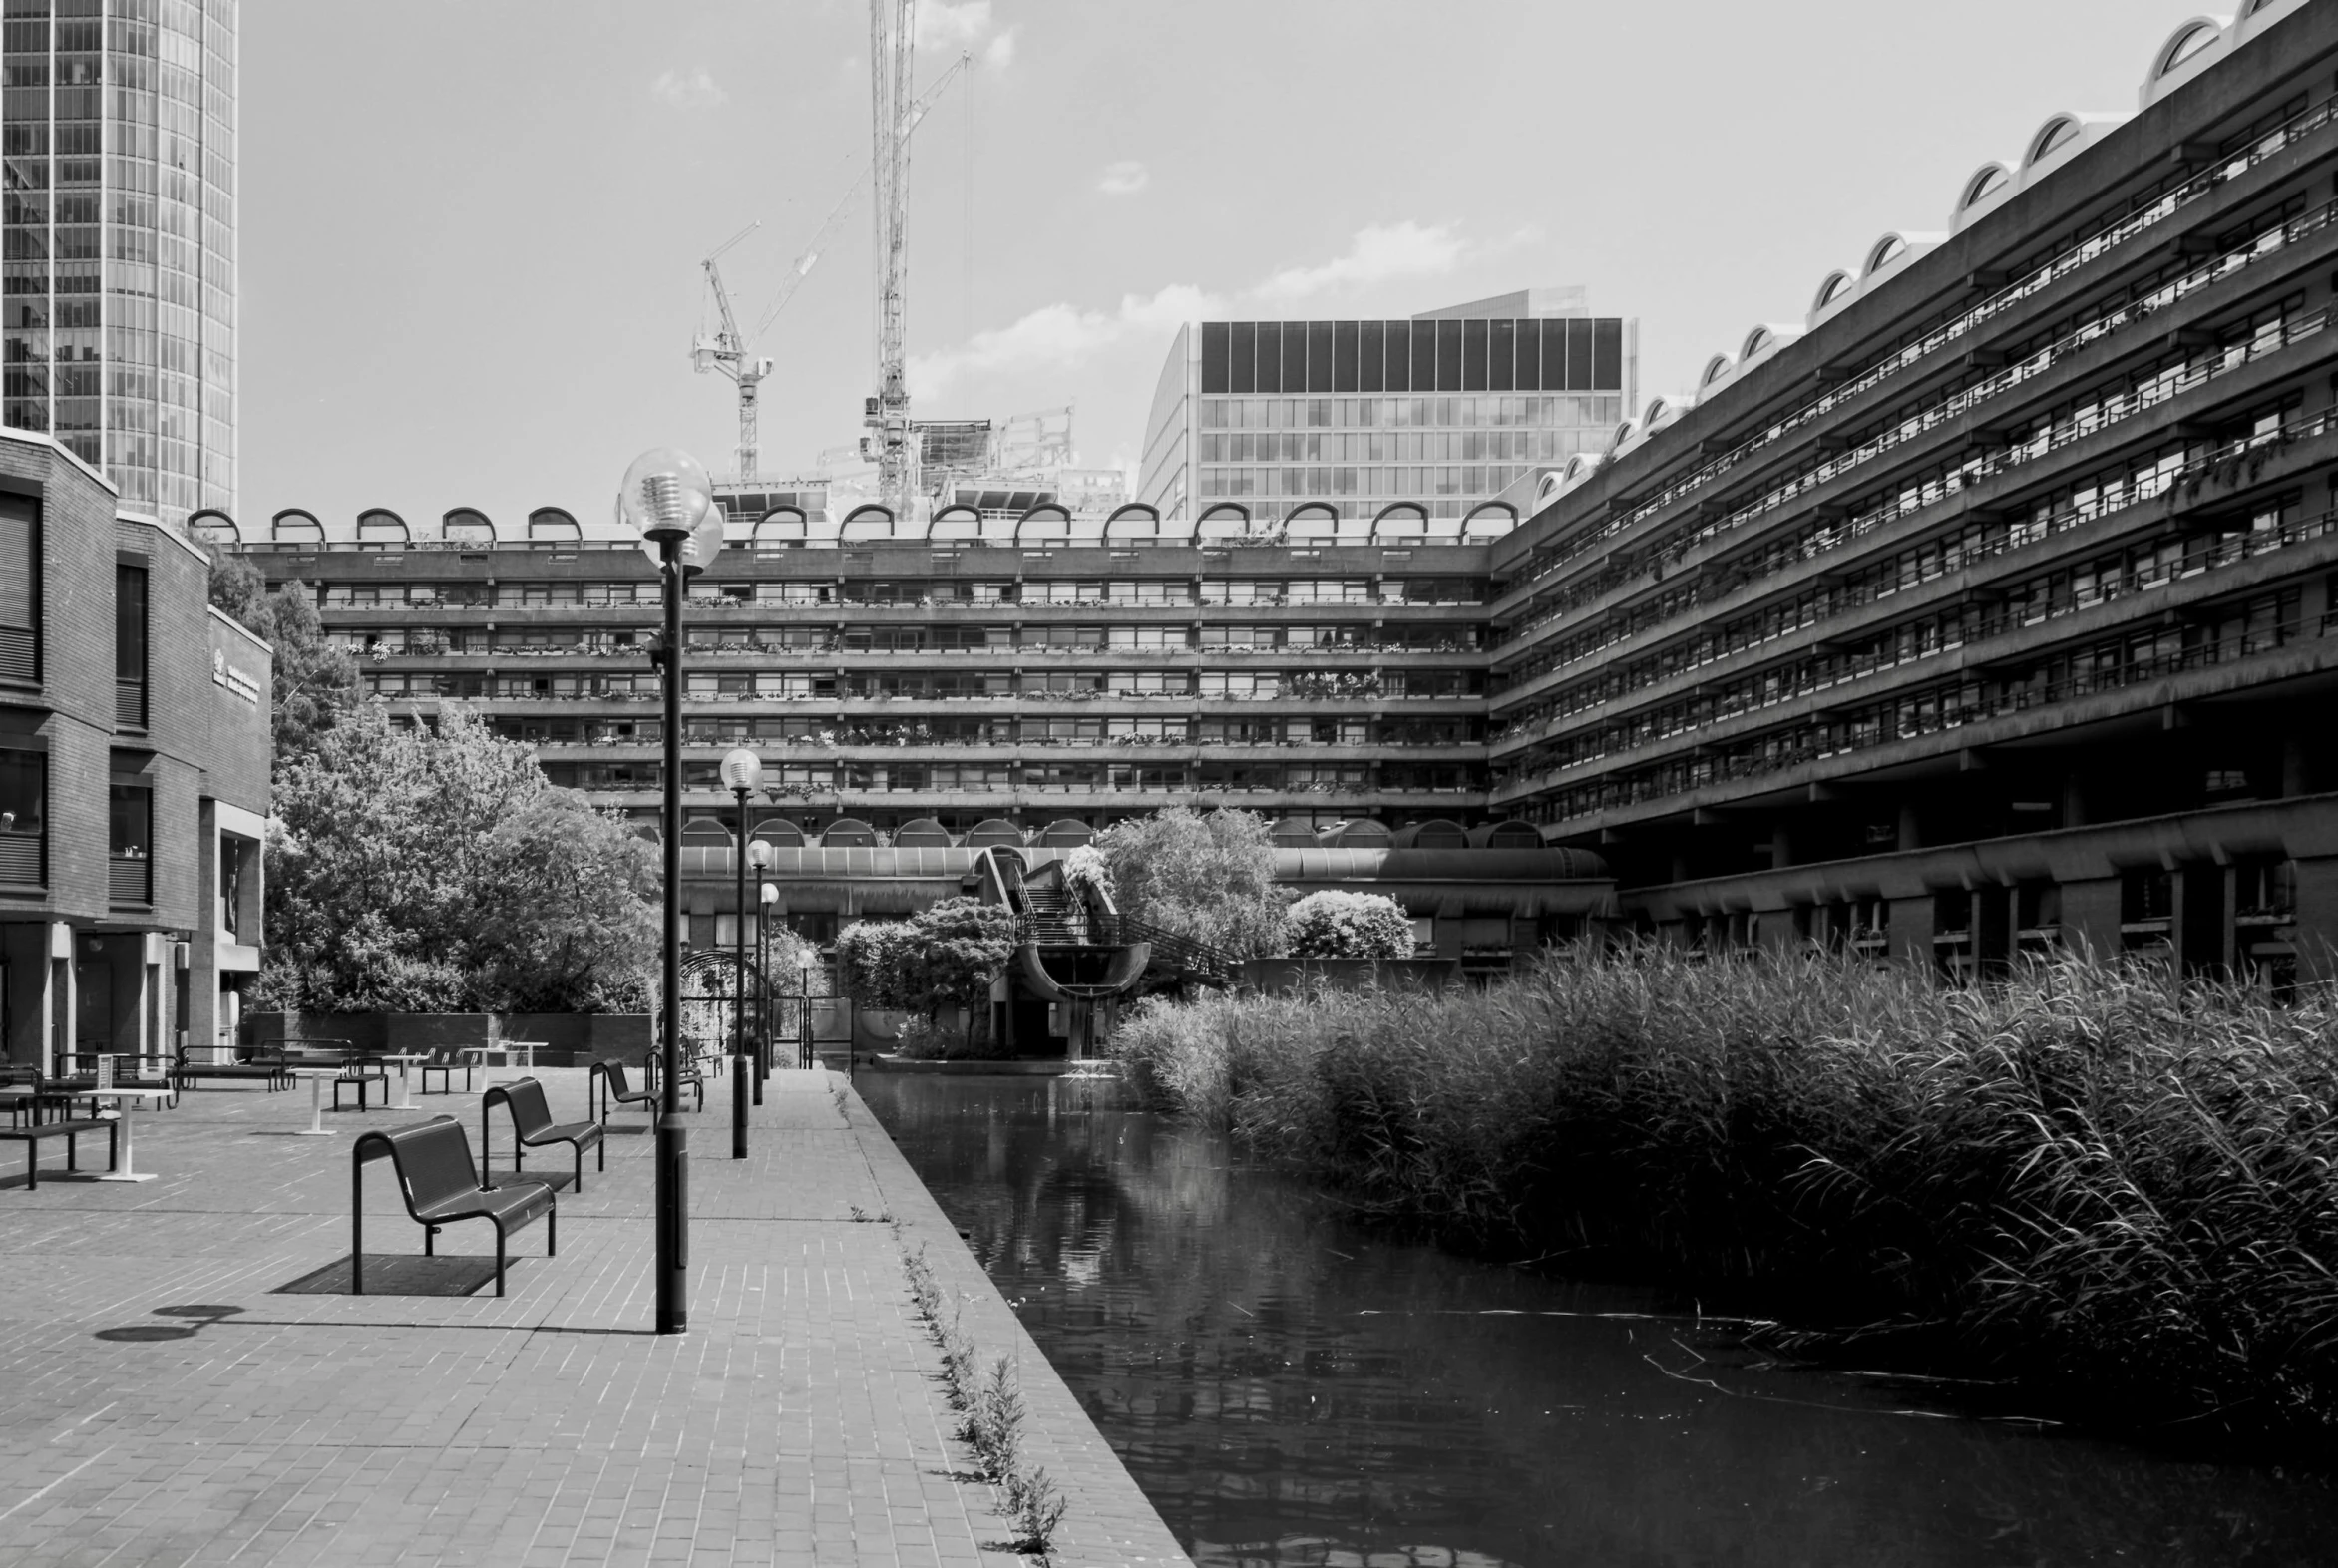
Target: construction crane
892,59
725,350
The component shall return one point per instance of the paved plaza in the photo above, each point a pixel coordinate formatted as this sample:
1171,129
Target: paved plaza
165,1398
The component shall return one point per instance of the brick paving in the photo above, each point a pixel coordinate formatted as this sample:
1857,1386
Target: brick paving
162,1401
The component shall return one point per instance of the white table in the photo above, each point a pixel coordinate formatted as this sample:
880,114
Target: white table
406,1063
317,1078
503,1051
125,1167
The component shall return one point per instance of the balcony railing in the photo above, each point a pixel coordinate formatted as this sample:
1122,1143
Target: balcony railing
130,879
129,704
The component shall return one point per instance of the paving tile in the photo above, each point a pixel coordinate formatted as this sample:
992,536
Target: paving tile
165,1406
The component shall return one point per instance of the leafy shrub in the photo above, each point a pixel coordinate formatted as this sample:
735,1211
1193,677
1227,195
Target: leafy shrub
1206,876
1336,924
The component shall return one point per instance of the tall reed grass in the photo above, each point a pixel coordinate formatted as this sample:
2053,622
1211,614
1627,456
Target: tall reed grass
2089,1175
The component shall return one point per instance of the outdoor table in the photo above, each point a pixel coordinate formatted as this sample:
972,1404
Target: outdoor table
126,1169
317,1078
407,1061
503,1051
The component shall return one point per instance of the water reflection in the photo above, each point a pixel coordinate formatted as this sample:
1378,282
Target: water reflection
1292,1390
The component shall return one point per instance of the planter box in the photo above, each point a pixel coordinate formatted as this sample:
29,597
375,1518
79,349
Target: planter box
569,1040
1286,975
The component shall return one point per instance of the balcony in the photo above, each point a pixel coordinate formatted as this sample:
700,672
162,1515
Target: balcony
130,879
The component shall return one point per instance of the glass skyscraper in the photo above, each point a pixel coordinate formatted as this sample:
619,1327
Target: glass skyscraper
1444,411
118,240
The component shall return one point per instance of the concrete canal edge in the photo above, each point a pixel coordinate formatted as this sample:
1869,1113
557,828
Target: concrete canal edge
1110,1522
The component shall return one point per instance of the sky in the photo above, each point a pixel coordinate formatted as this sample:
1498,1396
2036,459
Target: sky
471,230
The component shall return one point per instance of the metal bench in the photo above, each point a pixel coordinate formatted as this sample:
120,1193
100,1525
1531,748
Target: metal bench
607,1080
532,1125
442,1061
689,1077
31,1138
269,1066
440,1186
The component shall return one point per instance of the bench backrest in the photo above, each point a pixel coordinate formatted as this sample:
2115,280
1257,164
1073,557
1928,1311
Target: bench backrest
433,1159
529,1114
614,1072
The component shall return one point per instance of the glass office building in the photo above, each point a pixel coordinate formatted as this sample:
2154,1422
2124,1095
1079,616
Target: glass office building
1443,410
118,306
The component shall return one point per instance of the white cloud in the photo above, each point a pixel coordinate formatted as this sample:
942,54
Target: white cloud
1059,336
1379,254
1001,51
697,89
953,26
1062,336
1125,177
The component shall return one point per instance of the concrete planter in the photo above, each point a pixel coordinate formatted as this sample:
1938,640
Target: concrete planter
1285,974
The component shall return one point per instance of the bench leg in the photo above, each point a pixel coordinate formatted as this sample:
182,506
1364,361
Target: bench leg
356,1229
551,1234
430,1241
72,1162
32,1165
499,1257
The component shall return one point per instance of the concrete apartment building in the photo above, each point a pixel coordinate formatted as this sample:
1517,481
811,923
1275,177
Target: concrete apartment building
1979,608
133,775
1345,419
1988,605
117,302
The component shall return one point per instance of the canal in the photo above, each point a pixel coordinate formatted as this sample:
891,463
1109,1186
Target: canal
1291,1388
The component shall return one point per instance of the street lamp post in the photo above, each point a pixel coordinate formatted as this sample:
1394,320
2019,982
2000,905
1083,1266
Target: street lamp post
804,1043
742,772
768,898
667,498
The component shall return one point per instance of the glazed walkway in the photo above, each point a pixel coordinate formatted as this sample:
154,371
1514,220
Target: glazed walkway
164,1401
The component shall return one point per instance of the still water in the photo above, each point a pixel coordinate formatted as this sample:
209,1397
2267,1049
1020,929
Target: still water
1291,1388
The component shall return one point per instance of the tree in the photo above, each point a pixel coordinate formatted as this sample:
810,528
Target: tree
317,685
419,870
1207,877
1334,925
946,955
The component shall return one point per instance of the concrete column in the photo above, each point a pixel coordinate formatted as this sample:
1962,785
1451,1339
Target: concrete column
1910,838
1911,924
1992,940
2201,925
1781,846
63,1000
2074,801
2090,916
2317,911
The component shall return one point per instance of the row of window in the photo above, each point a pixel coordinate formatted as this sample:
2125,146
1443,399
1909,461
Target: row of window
1309,730
1400,413
1473,446
1116,592
788,780
1057,686
435,642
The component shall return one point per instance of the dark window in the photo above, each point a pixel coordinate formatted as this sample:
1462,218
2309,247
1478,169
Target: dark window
1449,355
1501,365
1319,356
20,588
1607,356
1554,357
1425,357
129,826
1243,350
1473,370
1579,357
1343,357
1270,378
1293,358
24,824
1215,369
1371,346
129,645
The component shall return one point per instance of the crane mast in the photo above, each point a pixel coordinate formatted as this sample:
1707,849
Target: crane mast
892,60
726,350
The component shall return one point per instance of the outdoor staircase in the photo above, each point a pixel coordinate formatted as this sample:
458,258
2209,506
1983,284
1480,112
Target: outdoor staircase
1050,913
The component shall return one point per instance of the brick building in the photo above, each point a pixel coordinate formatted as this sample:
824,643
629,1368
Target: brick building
133,773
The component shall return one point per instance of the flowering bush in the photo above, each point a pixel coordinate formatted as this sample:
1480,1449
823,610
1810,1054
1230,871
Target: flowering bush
1086,871
1349,925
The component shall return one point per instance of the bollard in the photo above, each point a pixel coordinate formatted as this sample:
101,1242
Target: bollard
739,1107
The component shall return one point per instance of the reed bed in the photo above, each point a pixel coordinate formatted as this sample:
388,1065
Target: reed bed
2088,1177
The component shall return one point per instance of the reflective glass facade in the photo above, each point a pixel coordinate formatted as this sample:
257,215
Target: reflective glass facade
1441,412
118,306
